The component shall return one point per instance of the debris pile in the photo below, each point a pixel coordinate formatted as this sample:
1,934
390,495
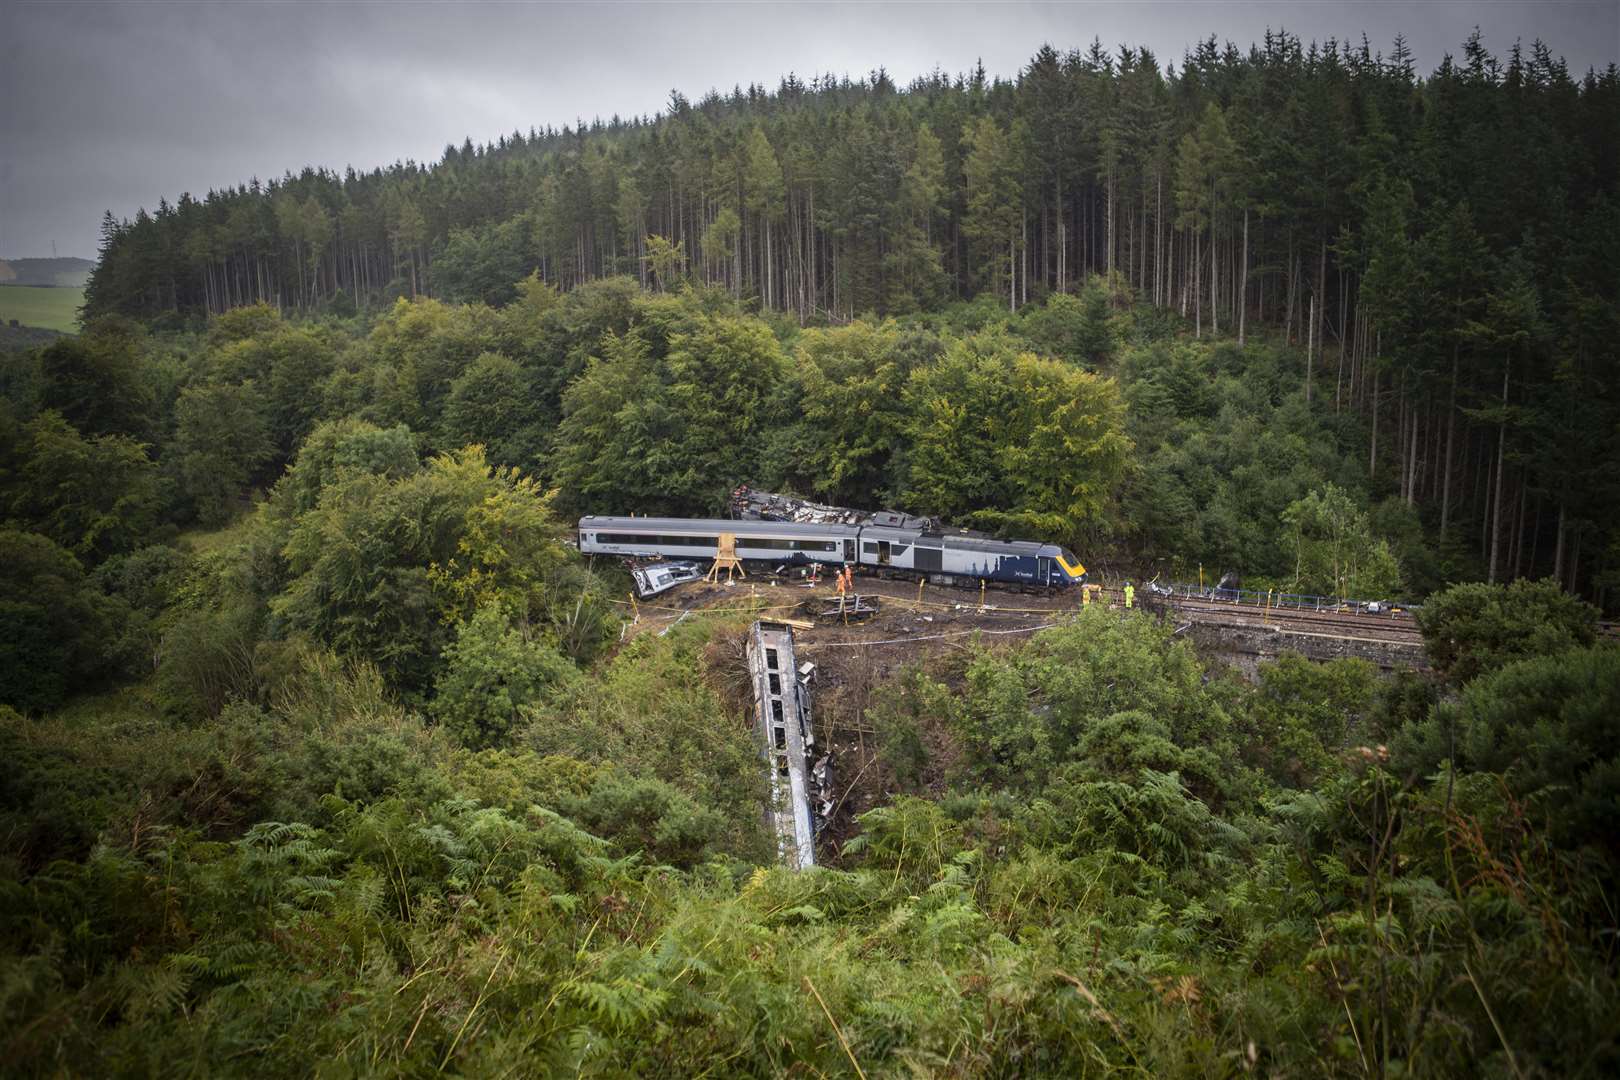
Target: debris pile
751,505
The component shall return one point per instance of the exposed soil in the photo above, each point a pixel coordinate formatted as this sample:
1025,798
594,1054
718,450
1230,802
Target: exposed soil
929,628
854,660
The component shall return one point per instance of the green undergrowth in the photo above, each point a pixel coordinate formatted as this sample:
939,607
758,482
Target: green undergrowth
1139,865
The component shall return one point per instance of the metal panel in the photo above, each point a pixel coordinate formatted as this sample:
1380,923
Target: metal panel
782,724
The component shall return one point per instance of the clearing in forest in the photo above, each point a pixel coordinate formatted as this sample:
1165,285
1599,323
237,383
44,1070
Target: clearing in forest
41,306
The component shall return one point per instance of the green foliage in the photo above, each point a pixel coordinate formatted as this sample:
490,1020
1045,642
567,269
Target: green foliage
221,445
337,448
321,881
491,671
1477,628
1550,725
491,404
1335,552
1303,715
380,567
645,712
1075,328
481,265
1115,695
848,383
96,497
94,380
669,431
1221,459
55,626
648,815
1013,441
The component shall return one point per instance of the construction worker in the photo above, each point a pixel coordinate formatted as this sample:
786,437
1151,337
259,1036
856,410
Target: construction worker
1085,596
849,577
843,580
1130,596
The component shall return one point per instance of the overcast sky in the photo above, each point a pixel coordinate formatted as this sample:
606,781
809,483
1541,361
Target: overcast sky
110,106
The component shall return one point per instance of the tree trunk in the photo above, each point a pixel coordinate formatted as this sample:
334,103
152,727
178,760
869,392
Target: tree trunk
1501,453
1109,232
1319,321
1575,563
1558,548
1197,284
1372,458
1310,348
1411,463
1451,433
1243,281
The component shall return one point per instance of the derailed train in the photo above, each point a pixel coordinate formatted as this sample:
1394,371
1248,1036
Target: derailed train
882,543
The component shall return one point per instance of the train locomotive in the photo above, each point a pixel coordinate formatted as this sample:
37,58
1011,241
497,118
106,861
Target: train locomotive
884,543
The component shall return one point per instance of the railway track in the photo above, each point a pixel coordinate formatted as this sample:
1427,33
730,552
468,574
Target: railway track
1393,627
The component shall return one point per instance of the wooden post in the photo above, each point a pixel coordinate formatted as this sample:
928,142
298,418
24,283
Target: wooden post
981,594
726,556
920,585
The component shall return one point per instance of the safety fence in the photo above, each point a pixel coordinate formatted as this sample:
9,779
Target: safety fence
1272,598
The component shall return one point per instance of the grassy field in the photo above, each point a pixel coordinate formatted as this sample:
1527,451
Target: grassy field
53,309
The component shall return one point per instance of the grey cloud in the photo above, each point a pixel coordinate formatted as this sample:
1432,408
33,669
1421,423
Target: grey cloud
110,106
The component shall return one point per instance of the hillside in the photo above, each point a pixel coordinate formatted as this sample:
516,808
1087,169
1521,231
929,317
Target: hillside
369,766
328,751
42,307
63,273
1323,196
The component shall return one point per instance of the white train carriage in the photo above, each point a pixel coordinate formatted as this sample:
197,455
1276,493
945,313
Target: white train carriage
778,542
944,558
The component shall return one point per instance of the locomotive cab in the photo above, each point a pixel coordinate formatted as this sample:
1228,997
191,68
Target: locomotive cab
1071,567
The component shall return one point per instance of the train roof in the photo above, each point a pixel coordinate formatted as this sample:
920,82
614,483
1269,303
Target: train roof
714,526
996,547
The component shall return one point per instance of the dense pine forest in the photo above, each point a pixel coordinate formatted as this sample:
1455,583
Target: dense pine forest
325,752
1441,247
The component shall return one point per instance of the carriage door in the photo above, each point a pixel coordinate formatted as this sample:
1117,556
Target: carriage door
883,553
849,550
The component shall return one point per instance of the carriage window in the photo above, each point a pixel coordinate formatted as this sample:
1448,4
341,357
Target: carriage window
771,543
648,540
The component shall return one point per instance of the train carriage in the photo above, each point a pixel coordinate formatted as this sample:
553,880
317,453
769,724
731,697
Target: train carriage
945,558
775,542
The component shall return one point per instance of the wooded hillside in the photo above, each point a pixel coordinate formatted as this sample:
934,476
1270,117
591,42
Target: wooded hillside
326,752
1440,246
